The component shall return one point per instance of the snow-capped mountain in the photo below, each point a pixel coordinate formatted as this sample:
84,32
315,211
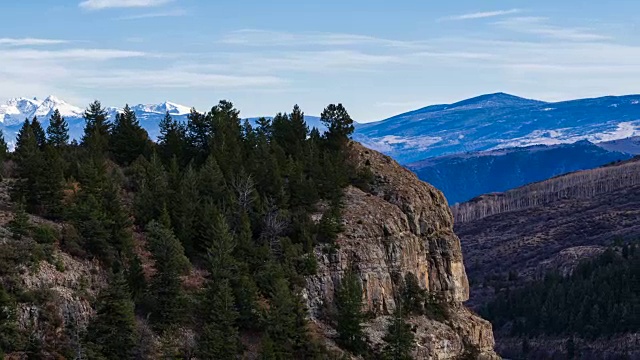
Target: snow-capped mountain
163,108
497,121
16,110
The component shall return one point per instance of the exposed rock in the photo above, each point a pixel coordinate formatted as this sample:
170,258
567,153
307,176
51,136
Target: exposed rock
403,226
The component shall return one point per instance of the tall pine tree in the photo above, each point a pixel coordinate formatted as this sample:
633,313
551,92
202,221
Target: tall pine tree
58,130
350,315
112,333
166,286
96,130
128,139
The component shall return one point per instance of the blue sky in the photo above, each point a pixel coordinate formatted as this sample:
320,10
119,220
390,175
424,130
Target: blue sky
379,58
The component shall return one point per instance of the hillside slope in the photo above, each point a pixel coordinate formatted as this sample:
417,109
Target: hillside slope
462,177
523,234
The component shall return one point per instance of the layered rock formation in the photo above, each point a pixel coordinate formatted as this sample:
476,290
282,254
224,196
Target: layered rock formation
402,225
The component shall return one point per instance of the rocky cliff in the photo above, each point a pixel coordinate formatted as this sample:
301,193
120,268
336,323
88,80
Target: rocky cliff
401,225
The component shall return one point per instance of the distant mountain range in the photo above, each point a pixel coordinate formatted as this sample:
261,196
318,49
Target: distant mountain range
14,112
499,121
462,177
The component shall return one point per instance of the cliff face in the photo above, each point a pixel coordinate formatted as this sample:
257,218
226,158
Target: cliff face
401,226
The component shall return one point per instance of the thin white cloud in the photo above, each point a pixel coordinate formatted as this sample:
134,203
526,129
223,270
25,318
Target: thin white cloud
172,78
267,38
71,54
481,15
108,4
540,26
170,13
30,41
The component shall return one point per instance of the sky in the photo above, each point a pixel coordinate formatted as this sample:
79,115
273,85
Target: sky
378,58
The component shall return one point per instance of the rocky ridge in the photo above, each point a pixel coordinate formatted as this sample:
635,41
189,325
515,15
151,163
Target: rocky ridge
401,225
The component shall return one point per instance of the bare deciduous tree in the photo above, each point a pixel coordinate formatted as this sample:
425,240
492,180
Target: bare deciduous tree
577,185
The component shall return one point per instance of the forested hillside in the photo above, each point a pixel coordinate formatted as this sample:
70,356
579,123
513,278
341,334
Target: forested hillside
600,299
195,246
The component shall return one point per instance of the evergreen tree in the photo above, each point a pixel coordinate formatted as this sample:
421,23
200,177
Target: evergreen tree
219,338
4,148
30,168
166,286
19,225
339,125
172,139
399,338
112,333
96,130
413,296
150,200
350,315
38,132
128,139
184,208
58,130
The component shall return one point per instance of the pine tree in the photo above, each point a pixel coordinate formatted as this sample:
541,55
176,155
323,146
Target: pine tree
128,139
149,202
172,139
112,333
211,183
166,286
399,338
4,148
219,339
38,132
350,316
58,130
96,130
339,125
282,320
29,167
184,208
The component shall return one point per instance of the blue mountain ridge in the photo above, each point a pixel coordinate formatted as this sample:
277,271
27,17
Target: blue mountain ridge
462,177
496,121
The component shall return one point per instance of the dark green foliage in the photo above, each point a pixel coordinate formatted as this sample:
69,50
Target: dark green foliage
112,333
413,296
153,190
97,128
166,287
399,337
19,225
600,298
350,316
339,123
172,139
38,133
220,338
58,130
236,200
128,139
4,148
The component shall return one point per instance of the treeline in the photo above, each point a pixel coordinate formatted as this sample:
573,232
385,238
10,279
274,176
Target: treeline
578,185
213,194
600,298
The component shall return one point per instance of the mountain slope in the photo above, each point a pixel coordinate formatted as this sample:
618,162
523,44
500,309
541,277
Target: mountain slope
462,177
498,121
511,238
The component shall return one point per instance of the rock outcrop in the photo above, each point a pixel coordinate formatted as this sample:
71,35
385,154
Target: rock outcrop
401,225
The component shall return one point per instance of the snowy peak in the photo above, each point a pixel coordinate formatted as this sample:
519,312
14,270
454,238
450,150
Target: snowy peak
162,108
18,109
